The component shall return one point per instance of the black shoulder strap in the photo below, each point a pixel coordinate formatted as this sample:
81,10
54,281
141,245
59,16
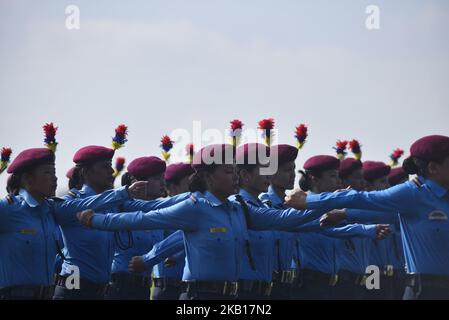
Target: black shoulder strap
118,240
10,199
417,182
245,209
248,223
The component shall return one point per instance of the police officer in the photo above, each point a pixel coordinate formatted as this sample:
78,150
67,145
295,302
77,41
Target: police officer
215,229
354,253
286,243
376,174
167,275
255,281
423,207
28,220
167,256
131,285
398,176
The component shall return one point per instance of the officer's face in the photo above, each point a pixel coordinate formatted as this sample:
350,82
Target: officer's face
99,175
284,178
354,180
156,186
223,180
440,172
42,182
327,182
255,181
180,187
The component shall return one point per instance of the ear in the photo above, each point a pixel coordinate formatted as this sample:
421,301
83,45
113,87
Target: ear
26,179
433,168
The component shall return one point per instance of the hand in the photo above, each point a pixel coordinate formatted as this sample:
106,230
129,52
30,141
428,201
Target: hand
332,218
136,265
382,231
170,262
296,199
138,190
85,217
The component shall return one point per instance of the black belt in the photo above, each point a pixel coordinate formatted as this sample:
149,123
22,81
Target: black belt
260,288
122,278
167,282
226,288
85,285
352,277
27,292
427,280
320,277
284,276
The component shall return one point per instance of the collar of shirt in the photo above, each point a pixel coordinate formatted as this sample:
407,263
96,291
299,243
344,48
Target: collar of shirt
435,188
87,190
250,198
275,200
213,200
28,198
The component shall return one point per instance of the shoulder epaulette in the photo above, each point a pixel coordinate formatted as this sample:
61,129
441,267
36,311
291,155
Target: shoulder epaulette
9,199
417,182
72,194
194,199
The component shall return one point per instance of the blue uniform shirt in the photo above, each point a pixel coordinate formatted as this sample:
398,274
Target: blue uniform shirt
176,271
287,243
28,234
423,206
262,244
143,241
214,232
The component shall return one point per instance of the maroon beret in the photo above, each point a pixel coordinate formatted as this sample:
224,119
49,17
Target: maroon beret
431,148
213,154
284,152
348,166
373,170
145,167
30,158
91,154
396,175
249,153
322,163
177,171
69,173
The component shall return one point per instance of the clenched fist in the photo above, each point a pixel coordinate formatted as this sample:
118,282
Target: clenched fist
136,265
138,190
332,218
296,199
85,217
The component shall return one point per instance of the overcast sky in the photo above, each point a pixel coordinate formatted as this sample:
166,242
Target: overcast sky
160,65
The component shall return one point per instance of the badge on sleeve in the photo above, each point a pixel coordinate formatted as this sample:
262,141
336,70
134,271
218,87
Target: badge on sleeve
437,215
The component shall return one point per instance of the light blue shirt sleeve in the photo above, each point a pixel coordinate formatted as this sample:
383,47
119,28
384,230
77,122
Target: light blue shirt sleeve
368,216
65,210
283,220
343,231
400,198
142,205
182,216
170,246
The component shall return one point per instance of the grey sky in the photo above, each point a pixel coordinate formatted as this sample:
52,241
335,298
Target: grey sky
159,65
